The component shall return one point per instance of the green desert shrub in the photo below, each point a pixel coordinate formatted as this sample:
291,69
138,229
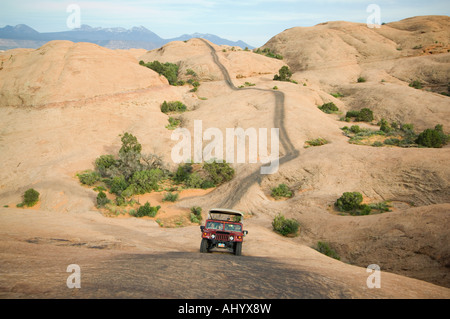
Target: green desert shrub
407,127
104,163
416,84
183,172
147,210
129,155
170,197
365,115
102,200
173,123
352,113
349,201
191,72
324,248
117,184
355,129
381,207
219,173
30,198
282,190
147,180
377,144
384,126
392,141
89,177
207,184
195,180
267,52
174,106
285,226
361,79
168,70
284,74
196,214
329,108
433,137
317,142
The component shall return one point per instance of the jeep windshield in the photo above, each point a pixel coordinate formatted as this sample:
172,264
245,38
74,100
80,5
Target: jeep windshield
214,225
223,226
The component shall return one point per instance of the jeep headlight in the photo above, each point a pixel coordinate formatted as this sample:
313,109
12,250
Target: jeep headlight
231,238
213,236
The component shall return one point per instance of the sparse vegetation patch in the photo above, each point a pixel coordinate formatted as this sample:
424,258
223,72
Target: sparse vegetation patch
267,52
351,203
173,123
324,248
364,115
329,108
281,191
30,198
196,215
416,84
316,142
168,70
394,134
132,173
174,106
285,227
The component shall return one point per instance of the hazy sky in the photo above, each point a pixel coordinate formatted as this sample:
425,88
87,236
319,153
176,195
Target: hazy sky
253,21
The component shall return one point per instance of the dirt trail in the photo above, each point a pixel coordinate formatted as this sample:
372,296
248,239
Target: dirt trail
290,153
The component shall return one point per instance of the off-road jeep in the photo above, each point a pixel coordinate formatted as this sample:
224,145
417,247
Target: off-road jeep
223,229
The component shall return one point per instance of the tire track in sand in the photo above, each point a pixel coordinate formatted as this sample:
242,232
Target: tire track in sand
290,152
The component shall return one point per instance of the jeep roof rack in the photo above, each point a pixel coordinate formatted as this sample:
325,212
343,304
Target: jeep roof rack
215,213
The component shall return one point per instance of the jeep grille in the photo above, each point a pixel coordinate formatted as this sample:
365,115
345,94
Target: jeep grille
222,237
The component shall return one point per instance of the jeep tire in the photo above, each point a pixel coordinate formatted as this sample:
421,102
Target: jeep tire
204,245
237,249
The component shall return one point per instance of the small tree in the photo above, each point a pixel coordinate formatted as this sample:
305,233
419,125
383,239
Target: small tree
146,181
284,74
104,163
129,155
102,200
349,201
30,197
385,126
433,138
365,115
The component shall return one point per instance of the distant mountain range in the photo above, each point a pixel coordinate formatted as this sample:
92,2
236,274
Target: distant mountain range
23,36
